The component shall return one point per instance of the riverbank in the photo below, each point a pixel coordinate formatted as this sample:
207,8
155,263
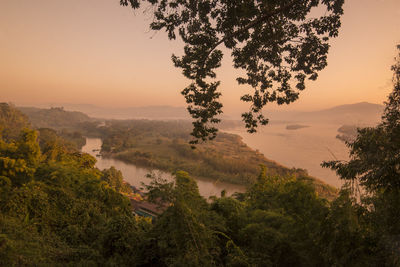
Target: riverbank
136,175
164,145
306,147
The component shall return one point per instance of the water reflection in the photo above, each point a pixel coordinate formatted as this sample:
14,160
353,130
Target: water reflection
304,148
136,175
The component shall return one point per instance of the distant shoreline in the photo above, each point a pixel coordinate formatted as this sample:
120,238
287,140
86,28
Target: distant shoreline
296,126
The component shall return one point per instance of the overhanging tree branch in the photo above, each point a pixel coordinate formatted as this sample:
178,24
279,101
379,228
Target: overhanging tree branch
273,57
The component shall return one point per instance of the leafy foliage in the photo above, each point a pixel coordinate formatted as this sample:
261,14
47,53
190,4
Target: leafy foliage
56,208
375,157
277,43
12,121
185,235
113,177
375,165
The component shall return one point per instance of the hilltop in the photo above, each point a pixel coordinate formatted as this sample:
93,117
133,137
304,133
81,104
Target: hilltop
56,117
362,113
122,113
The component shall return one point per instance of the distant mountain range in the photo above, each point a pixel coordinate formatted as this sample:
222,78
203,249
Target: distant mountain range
359,113
145,112
56,118
363,113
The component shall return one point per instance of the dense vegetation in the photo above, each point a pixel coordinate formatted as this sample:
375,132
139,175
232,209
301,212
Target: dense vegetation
68,124
11,121
373,176
56,208
164,145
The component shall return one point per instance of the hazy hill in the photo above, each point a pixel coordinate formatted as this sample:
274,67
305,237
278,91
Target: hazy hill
145,112
163,112
363,107
56,118
362,113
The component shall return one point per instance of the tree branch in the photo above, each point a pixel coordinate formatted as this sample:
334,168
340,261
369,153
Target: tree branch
250,25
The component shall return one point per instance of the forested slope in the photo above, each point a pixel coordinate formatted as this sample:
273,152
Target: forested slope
164,145
55,118
57,209
67,124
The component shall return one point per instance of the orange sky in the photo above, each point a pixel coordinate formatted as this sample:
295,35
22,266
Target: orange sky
96,52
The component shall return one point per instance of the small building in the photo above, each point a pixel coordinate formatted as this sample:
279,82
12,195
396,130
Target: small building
146,209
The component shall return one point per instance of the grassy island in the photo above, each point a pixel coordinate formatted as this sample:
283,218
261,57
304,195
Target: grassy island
164,145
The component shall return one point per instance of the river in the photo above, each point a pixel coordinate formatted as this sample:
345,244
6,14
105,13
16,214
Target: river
135,175
304,148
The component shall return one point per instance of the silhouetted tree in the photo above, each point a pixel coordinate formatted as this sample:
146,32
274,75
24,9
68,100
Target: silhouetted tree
375,154
278,43
375,165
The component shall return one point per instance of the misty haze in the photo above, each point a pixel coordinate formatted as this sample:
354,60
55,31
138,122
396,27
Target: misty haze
304,148
200,133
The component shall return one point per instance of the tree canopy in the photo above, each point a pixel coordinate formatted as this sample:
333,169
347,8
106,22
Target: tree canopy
12,121
57,208
279,44
375,154
375,165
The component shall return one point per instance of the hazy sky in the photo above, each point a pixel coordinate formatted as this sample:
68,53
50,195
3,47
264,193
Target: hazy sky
96,52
